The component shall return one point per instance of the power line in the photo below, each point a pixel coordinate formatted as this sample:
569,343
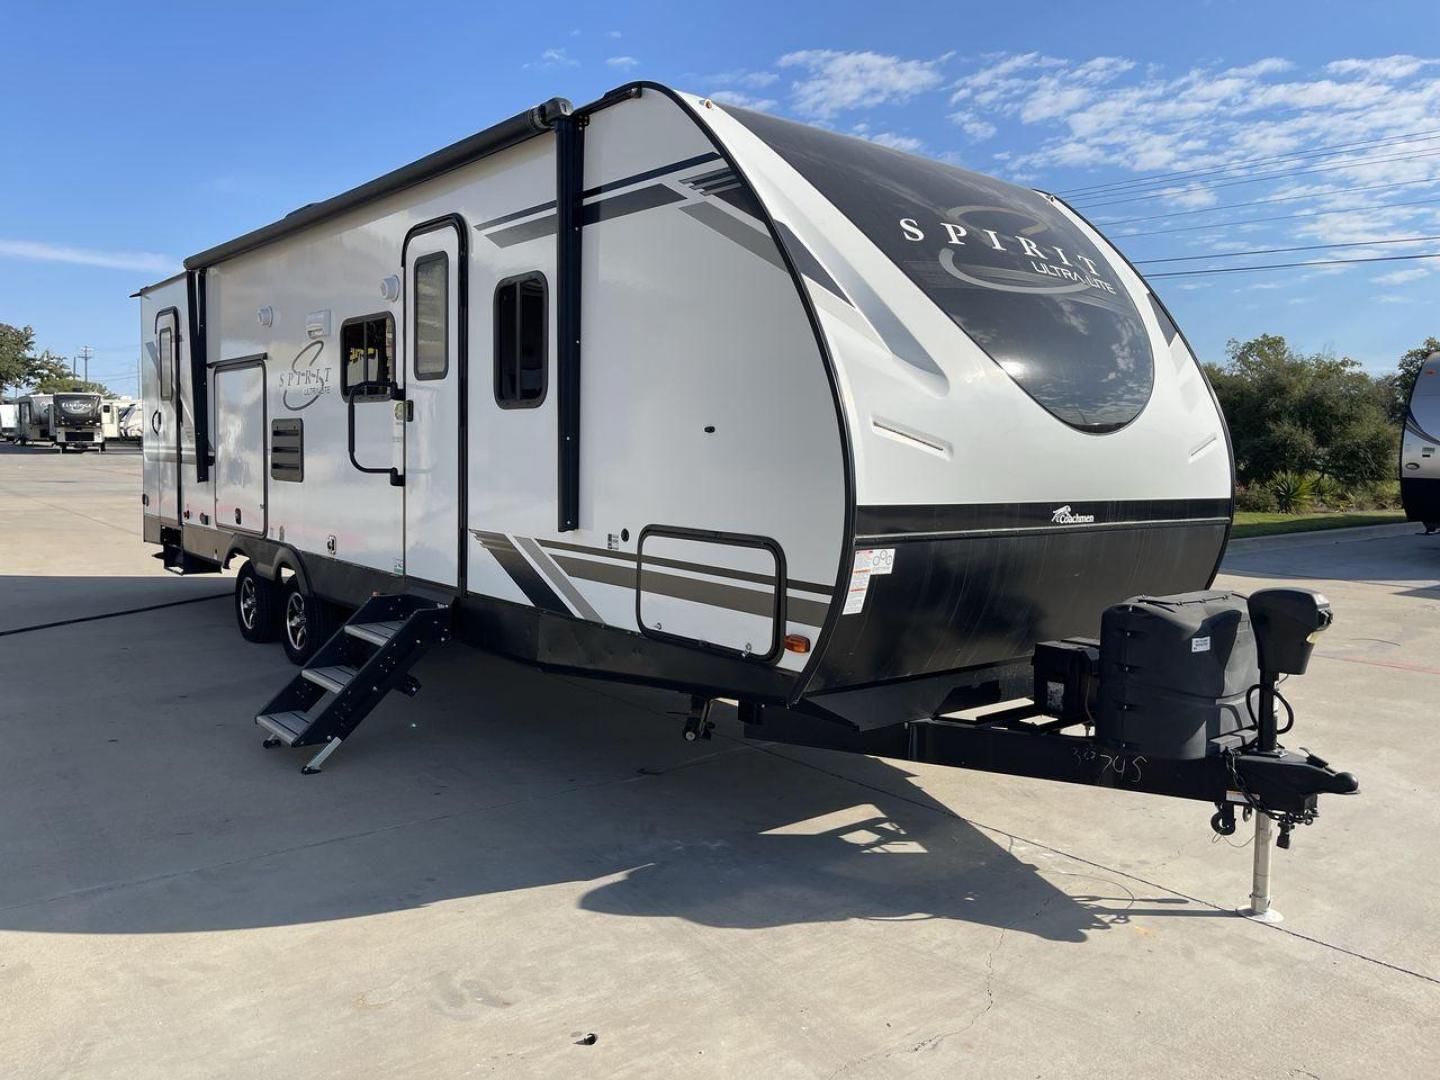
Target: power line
1286,266
1279,250
1100,189
1286,175
1266,202
1276,217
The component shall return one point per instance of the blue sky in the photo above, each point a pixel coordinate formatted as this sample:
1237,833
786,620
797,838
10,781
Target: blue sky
135,135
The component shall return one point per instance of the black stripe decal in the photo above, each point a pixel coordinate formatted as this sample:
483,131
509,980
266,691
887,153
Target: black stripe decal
730,597
651,174
934,521
631,202
515,216
694,568
535,588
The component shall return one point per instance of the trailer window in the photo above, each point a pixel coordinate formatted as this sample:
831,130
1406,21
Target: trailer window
521,334
1026,283
432,316
165,347
368,346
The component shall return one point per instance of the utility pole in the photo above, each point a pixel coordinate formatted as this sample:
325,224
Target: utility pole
85,352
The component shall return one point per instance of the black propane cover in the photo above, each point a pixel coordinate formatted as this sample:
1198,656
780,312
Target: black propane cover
1174,672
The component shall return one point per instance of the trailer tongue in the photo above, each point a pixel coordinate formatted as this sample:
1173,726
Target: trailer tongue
1177,697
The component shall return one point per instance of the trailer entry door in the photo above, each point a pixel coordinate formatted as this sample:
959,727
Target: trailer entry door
435,409
162,433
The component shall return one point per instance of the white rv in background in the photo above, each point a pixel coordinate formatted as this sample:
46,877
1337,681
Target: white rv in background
1420,447
7,420
120,418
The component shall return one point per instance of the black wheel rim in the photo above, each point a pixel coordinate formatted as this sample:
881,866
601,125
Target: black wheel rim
295,621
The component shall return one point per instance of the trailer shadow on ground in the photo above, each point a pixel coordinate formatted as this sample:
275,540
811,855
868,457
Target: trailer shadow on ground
161,813
1409,561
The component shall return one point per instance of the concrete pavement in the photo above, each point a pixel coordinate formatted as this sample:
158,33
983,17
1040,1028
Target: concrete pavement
511,861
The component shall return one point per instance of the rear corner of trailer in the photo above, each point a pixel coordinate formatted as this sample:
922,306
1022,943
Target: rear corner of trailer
1031,437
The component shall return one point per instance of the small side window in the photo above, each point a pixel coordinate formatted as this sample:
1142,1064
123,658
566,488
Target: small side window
165,346
367,346
432,316
521,336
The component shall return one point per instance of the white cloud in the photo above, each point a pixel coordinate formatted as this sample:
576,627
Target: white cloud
624,63
613,34
744,101
742,78
144,262
554,58
837,81
1400,277
908,143
971,124
1384,68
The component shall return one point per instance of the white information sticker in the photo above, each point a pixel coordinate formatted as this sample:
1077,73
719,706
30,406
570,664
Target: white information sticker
1199,644
882,560
868,563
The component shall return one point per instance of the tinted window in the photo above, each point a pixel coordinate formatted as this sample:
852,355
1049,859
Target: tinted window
432,316
520,337
1000,260
368,348
165,348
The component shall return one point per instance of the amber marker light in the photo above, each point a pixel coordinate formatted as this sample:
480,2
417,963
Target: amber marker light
797,643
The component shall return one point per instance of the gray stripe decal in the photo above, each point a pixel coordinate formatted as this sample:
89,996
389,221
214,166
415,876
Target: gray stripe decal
677,564
557,578
759,243
731,597
752,240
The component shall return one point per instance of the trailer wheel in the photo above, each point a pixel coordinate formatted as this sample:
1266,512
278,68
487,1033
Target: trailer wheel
306,622
255,606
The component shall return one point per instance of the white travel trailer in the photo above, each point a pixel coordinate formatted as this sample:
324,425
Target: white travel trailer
120,418
667,391
1420,448
7,420
68,421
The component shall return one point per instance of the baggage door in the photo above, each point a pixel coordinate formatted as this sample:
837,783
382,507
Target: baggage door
162,431
434,406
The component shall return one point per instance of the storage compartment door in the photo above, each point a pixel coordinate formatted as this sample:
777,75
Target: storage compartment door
715,589
240,476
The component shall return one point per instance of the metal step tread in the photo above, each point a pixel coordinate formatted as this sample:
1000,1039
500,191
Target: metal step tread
285,726
333,679
377,633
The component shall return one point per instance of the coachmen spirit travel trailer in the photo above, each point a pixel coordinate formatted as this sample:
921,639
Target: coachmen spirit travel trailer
1420,448
671,392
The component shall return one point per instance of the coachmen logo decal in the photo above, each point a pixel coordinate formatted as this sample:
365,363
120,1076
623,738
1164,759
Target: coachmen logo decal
1065,516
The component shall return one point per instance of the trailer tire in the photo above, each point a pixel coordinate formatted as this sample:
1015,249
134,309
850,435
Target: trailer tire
255,607
306,621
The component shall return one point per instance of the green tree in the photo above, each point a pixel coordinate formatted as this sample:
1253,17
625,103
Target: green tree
1289,412
1397,385
16,345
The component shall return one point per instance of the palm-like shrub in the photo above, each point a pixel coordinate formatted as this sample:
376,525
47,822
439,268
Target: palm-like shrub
1293,491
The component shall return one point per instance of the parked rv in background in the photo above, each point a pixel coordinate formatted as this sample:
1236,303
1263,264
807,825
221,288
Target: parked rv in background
7,420
120,419
1420,448
69,421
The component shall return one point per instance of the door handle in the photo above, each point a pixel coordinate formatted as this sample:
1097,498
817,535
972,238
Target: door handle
155,422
